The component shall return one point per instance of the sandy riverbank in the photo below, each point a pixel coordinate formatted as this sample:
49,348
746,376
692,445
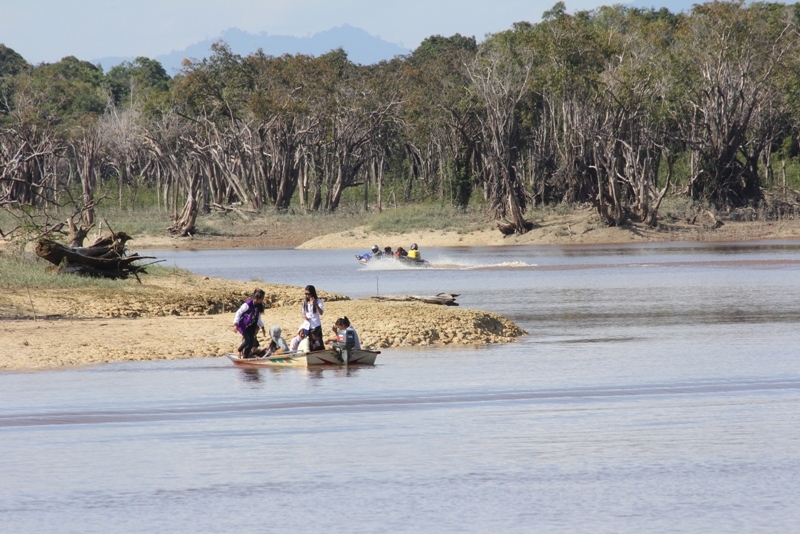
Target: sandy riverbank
577,227
190,317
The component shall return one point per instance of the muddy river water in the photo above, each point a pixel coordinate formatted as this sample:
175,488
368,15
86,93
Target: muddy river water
658,391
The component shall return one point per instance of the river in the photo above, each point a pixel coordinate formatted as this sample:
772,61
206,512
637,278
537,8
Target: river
658,390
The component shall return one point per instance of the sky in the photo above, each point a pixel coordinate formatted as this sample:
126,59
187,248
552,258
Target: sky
48,30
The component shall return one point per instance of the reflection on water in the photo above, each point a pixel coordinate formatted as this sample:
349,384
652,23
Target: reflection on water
658,391
250,375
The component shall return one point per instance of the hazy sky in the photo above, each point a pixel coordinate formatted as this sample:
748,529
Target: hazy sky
47,30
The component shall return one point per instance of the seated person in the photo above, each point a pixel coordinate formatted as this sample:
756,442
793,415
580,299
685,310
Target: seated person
304,345
295,342
315,339
400,253
414,252
343,323
312,341
277,343
387,252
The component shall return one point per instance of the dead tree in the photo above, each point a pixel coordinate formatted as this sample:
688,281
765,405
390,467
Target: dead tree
105,258
501,82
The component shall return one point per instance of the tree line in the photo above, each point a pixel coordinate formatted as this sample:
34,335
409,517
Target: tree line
598,106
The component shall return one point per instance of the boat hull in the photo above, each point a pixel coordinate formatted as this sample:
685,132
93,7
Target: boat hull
364,260
328,357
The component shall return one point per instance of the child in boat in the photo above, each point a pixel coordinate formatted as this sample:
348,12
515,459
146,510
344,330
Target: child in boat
247,322
295,342
311,342
277,343
311,311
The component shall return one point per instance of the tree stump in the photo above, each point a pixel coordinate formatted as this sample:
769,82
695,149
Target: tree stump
105,258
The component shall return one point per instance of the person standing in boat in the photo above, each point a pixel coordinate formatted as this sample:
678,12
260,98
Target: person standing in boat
247,322
311,311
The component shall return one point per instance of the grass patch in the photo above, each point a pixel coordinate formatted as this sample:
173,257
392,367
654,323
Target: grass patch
25,270
416,217
679,208
540,213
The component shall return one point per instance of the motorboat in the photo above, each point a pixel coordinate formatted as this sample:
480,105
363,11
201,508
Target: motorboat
366,258
330,357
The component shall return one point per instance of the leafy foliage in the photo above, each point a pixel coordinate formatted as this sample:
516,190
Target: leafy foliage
616,106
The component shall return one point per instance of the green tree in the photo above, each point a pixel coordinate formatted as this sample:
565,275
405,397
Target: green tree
11,63
137,81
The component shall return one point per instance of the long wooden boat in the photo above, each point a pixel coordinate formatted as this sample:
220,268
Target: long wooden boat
329,357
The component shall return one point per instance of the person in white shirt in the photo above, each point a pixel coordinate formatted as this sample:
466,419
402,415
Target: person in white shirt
312,311
295,342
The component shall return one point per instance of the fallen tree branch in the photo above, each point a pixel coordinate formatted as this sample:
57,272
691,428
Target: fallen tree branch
445,299
106,258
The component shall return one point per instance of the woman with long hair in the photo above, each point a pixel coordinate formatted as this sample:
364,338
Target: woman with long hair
311,311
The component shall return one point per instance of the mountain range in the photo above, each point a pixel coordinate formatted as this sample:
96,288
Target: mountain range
361,47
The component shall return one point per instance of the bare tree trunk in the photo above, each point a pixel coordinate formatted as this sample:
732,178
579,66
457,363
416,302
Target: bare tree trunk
185,224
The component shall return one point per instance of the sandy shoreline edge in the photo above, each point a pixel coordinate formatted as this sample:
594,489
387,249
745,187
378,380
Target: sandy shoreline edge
190,317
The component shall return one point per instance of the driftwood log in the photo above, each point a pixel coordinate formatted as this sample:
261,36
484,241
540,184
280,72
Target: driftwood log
105,258
507,228
445,299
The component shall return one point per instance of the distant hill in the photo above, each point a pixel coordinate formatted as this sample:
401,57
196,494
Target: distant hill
360,46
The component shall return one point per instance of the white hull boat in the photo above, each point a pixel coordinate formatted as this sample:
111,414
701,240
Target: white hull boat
328,357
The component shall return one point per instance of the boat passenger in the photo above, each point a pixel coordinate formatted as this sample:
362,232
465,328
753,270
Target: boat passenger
375,254
277,343
304,345
413,253
295,342
400,253
247,322
387,252
314,341
311,311
343,323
